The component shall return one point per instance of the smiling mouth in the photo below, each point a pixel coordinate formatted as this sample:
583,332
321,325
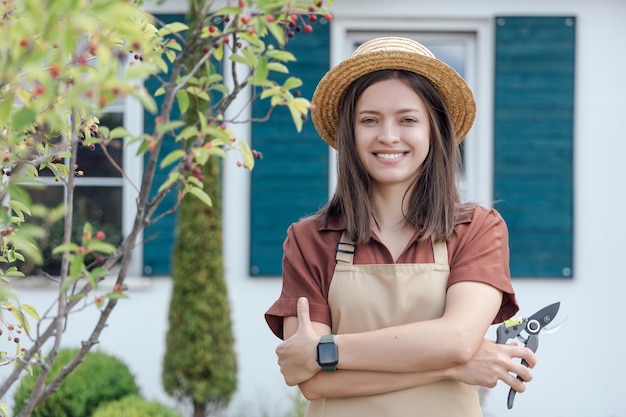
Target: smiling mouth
389,155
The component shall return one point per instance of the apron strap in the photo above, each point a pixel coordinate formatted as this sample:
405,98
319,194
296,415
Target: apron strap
440,252
345,249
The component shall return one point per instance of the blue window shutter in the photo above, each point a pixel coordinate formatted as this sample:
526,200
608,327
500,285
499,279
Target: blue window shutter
159,237
533,141
291,181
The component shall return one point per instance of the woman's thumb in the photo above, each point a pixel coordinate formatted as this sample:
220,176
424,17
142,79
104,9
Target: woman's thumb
303,312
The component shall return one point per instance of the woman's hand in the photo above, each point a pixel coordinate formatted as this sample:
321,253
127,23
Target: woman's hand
297,354
495,362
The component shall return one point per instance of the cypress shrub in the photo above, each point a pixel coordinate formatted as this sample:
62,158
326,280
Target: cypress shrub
98,379
200,363
135,406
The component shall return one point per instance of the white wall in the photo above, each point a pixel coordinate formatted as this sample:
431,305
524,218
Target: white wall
580,371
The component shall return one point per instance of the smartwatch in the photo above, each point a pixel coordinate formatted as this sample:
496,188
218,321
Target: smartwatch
327,353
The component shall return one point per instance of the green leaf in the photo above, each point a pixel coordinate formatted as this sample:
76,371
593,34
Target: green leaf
270,92
277,32
23,118
166,127
70,247
172,178
241,60
183,101
172,28
296,116
30,310
19,208
278,67
291,83
259,77
280,55
116,295
246,153
202,196
188,133
172,157
119,132
99,272
76,266
101,247
21,318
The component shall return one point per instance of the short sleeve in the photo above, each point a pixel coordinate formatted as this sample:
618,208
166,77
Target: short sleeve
482,255
305,269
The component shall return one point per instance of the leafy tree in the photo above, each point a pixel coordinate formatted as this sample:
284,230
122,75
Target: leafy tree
59,70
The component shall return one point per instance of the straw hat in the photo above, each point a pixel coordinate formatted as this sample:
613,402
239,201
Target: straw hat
392,53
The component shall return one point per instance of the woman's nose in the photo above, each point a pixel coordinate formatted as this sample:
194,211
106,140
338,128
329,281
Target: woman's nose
388,133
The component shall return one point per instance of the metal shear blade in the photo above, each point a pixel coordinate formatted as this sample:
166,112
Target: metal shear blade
532,327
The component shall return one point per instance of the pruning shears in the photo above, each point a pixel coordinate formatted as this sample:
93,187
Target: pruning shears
527,331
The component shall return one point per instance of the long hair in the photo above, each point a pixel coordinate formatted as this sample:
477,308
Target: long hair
433,198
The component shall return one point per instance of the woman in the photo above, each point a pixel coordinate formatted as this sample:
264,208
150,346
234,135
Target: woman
394,283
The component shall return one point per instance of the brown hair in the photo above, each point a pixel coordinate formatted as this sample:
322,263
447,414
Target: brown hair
434,203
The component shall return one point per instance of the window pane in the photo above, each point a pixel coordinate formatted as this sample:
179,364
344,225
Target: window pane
102,207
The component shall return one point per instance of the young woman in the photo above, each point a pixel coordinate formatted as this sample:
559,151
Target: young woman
389,290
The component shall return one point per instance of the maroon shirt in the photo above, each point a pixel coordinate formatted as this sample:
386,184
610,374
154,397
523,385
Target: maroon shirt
478,251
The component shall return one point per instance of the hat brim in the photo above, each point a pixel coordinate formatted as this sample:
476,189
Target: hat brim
455,92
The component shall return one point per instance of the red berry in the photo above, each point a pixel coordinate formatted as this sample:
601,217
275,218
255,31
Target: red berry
212,29
23,350
100,235
290,34
81,250
197,171
329,17
16,340
117,288
311,9
270,18
200,178
39,89
312,18
24,43
54,71
242,4
308,28
10,327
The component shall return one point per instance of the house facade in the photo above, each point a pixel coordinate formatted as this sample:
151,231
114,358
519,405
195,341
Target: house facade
546,150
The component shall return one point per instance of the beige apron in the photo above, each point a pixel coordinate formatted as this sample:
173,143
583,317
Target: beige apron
370,297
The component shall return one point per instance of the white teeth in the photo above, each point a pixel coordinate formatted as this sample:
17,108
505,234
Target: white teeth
389,155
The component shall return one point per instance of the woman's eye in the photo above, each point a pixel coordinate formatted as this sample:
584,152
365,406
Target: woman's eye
409,120
368,121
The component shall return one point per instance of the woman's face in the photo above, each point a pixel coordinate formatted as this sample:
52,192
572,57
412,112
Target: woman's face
392,131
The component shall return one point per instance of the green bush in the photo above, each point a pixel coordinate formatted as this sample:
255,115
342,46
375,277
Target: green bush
135,406
99,379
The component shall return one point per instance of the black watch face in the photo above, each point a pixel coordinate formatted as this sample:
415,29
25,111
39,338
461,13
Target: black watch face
327,354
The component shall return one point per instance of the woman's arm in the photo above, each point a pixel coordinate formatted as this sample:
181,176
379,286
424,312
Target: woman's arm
441,343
